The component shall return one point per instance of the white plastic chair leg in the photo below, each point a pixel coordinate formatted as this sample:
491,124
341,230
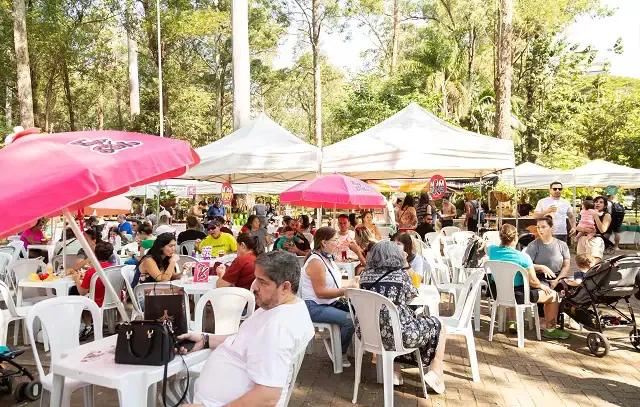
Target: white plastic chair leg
88,396
4,332
421,369
473,357
309,350
387,373
476,314
133,394
359,353
16,330
494,310
520,326
536,319
336,342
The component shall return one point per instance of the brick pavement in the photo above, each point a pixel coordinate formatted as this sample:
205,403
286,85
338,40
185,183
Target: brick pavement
546,373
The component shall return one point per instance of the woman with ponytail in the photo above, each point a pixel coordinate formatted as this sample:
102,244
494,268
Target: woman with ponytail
240,271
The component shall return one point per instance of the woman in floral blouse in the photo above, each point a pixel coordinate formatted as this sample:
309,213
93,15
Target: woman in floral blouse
387,274
406,218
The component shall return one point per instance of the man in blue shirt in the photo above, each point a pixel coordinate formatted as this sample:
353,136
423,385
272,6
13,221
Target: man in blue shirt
124,226
216,209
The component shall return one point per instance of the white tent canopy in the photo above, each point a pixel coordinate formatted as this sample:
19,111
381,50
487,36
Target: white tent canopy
414,143
262,151
533,176
600,173
179,188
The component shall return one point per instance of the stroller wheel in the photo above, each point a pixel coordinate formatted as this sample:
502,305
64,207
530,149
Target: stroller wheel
18,392
598,344
33,390
634,337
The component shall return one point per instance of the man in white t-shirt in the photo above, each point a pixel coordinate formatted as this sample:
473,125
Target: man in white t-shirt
254,366
559,209
346,237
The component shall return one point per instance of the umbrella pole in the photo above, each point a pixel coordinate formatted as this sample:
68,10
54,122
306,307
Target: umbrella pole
64,245
92,256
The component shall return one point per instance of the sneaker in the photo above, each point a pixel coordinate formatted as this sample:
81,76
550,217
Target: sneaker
512,327
555,333
345,361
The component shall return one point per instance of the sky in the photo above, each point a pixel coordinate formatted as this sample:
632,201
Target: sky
600,33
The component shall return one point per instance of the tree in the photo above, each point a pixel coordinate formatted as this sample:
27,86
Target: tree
132,59
22,61
504,71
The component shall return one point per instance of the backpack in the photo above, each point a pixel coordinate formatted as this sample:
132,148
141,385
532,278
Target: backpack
474,253
617,211
478,212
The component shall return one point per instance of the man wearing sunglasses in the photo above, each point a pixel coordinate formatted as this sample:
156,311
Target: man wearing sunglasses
558,208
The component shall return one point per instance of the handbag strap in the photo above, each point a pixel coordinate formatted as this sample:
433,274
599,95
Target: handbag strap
166,346
330,270
130,339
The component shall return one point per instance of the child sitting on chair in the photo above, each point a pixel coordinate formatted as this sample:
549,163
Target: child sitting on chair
289,239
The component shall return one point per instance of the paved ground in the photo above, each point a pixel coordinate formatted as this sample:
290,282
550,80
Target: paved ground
545,373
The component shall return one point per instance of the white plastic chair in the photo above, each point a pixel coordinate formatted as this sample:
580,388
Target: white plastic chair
455,255
332,343
504,273
228,304
309,237
114,275
413,234
367,306
184,259
19,270
11,314
140,291
58,263
431,237
460,322
60,318
129,248
19,249
186,248
5,259
12,238
447,288
462,237
297,362
384,231
450,230
492,237
128,272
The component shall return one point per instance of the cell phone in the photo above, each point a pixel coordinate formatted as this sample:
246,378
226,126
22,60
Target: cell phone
188,344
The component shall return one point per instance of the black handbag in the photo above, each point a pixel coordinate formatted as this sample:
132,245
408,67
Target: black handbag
148,343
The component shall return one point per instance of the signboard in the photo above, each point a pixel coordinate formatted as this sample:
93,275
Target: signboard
227,193
437,187
611,190
191,190
201,272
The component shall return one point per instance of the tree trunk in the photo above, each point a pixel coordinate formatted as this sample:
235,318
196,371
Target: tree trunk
394,37
119,109
7,105
316,26
35,82
240,60
134,84
67,93
220,102
504,71
100,108
25,97
49,94
471,51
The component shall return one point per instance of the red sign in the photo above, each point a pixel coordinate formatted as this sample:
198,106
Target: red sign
201,272
191,190
437,187
227,193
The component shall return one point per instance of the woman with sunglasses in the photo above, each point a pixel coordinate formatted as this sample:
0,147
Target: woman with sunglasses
560,211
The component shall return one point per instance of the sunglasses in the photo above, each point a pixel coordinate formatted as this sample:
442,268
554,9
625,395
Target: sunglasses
557,189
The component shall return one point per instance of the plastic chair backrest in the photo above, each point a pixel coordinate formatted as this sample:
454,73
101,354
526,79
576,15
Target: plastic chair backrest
114,275
12,238
413,234
462,237
431,237
450,230
5,294
384,231
367,306
228,303
19,249
503,274
5,259
128,272
58,263
295,368
455,254
187,247
20,269
309,237
139,291
492,237
467,301
129,248
60,317
184,259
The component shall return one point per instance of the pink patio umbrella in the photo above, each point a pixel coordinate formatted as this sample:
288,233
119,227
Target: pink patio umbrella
89,167
333,191
116,205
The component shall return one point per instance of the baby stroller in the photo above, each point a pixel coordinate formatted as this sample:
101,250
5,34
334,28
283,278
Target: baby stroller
605,284
31,390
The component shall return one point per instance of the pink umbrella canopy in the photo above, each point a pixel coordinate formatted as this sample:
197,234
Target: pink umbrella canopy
116,205
46,174
333,191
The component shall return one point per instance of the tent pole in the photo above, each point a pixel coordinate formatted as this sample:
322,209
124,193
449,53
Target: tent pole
92,256
515,197
64,245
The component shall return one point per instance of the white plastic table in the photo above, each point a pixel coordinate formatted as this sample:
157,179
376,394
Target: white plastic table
61,285
94,363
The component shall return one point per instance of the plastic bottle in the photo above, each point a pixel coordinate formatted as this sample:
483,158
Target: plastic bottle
193,253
